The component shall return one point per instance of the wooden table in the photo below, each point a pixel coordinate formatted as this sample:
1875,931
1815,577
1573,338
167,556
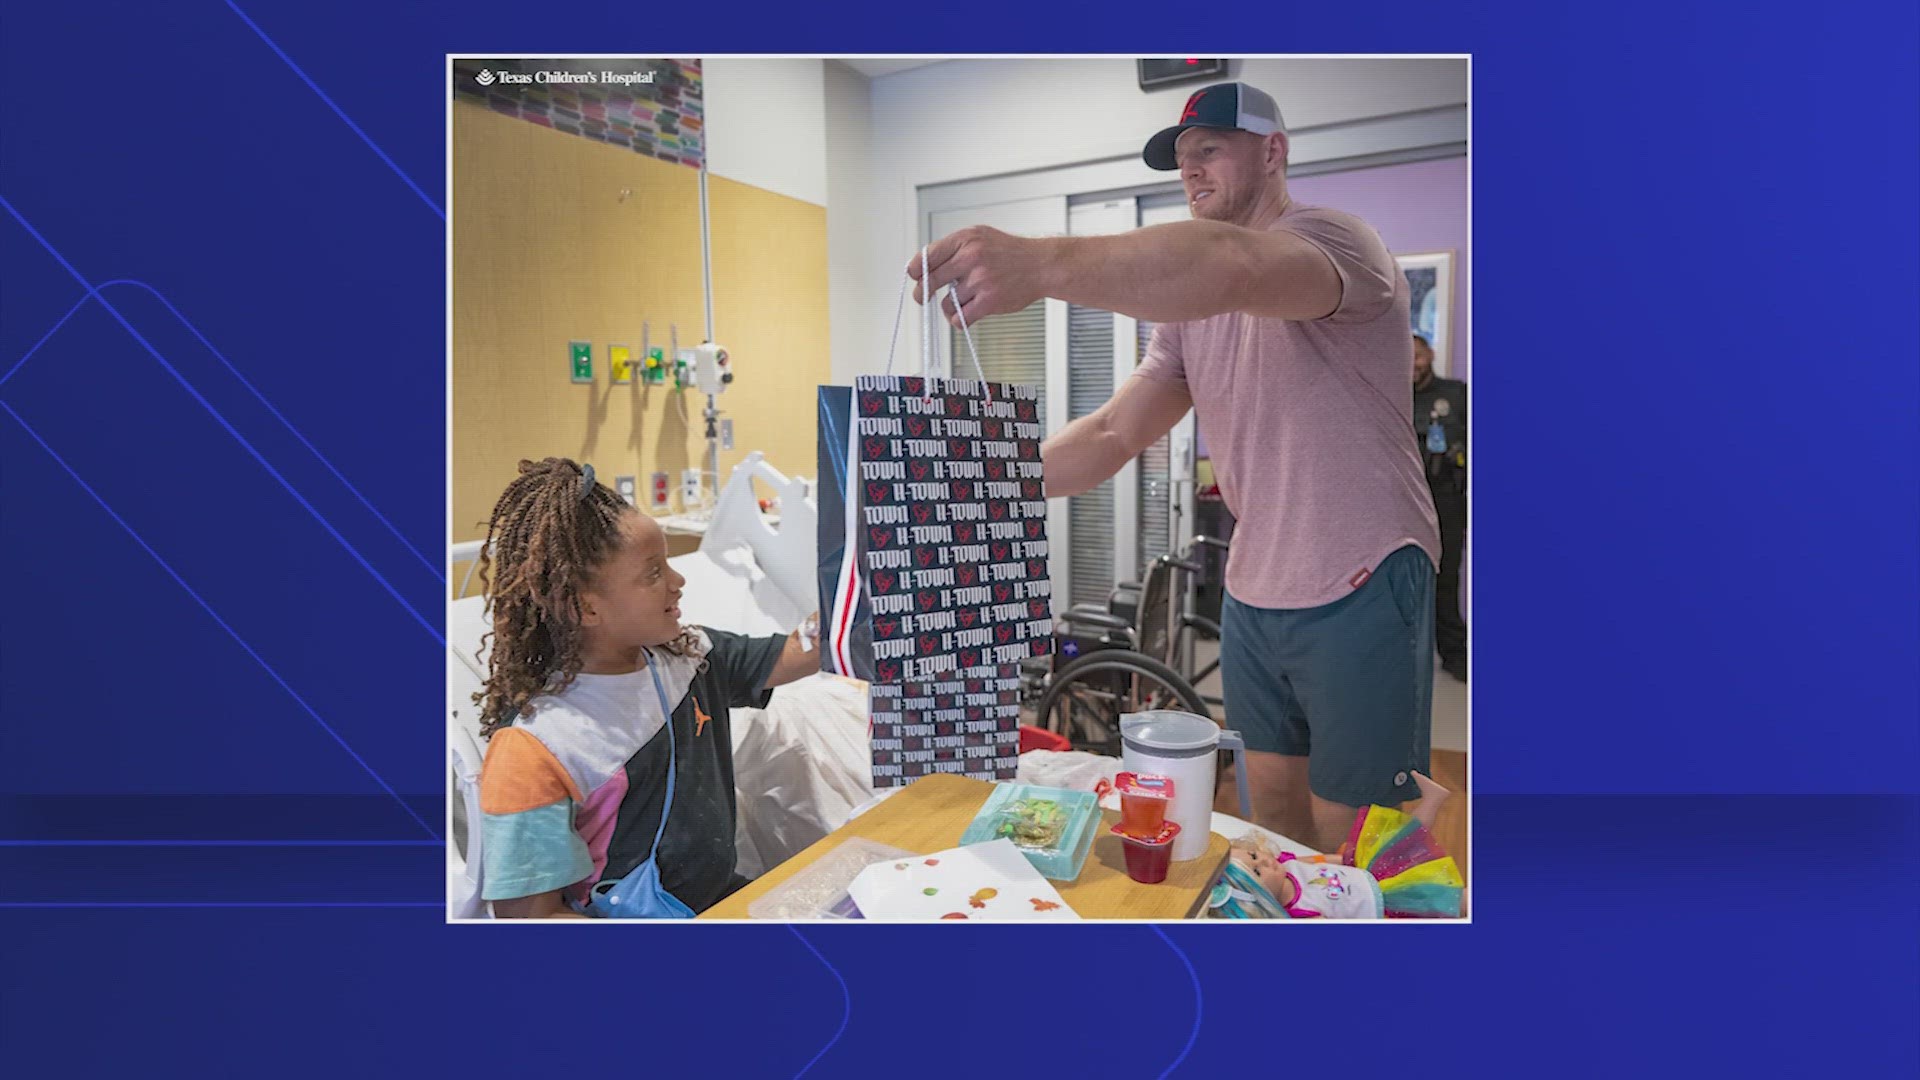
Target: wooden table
930,814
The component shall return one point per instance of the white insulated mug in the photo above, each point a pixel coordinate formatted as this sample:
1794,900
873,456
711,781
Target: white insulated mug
1183,748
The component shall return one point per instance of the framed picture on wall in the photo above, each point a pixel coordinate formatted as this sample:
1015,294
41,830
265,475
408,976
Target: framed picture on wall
1430,302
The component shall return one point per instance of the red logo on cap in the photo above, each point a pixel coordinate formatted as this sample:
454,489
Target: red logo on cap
1193,107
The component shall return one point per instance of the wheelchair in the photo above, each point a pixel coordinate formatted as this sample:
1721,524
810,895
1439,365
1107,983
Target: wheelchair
1132,654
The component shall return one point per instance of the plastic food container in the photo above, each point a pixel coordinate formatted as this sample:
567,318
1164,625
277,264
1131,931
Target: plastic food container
1149,857
1144,798
1053,827
820,890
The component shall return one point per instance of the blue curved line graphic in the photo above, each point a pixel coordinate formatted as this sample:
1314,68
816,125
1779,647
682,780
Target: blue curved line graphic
94,293
337,111
230,429
208,608
262,398
1194,1035
846,1013
28,355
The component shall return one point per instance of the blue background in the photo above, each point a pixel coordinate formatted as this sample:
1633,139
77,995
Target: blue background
1697,597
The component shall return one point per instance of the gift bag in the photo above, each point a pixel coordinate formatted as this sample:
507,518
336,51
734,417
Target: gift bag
934,580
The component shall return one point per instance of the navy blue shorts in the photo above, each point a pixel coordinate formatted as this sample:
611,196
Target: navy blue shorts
1347,685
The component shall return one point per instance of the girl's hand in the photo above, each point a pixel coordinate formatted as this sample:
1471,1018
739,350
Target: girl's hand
797,660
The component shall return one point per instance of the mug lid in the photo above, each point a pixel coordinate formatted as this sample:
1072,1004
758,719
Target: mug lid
1168,729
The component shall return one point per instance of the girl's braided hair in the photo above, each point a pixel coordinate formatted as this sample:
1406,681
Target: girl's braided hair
550,531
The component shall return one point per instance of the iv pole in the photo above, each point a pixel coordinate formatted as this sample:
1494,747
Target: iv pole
710,413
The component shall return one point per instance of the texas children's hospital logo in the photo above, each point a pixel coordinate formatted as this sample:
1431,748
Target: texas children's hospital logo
490,76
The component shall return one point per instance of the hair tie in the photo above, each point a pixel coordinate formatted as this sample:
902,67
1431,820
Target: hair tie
586,482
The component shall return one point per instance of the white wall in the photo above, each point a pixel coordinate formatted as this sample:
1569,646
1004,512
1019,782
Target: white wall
965,119
854,249
766,123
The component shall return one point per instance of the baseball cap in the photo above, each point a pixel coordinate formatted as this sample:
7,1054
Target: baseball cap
1232,106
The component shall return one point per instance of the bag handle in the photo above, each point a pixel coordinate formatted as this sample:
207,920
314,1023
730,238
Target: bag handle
928,348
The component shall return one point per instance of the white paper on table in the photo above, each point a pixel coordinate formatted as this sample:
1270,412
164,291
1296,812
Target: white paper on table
989,882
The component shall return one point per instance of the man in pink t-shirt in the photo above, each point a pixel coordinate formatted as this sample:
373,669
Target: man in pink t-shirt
1284,328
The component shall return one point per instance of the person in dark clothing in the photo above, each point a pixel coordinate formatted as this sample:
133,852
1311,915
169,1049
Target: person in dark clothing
1440,427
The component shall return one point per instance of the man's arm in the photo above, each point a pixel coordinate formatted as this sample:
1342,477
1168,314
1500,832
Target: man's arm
1164,273
1094,447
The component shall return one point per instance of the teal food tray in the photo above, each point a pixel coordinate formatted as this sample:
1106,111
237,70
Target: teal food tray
1060,860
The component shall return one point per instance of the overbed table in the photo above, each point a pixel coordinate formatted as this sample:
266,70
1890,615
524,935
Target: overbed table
930,815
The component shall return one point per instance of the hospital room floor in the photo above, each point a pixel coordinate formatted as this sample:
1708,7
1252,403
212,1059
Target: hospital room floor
1449,756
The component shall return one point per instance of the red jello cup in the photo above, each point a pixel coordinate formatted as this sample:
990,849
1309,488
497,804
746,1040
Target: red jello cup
1148,857
1144,799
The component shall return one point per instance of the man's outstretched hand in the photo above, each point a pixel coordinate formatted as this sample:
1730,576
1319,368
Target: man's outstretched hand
992,272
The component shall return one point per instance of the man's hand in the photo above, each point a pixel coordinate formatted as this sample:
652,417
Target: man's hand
993,273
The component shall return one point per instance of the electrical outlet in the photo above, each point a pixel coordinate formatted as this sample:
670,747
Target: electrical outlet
726,434
620,364
659,491
689,488
627,487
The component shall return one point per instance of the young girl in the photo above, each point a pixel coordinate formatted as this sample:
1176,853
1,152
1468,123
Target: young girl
595,691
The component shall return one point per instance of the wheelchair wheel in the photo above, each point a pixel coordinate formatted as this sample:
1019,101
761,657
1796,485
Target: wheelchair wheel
1085,699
